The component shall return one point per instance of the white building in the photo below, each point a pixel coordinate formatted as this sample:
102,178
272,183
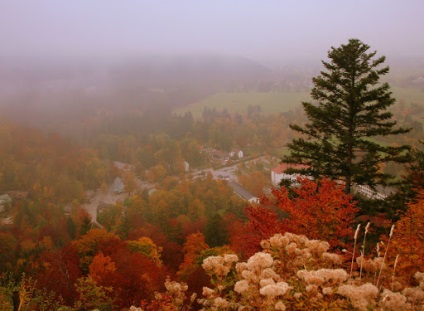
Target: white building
4,200
118,186
186,166
381,193
238,153
278,173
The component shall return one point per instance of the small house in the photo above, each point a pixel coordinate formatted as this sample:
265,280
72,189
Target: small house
5,199
118,186
236,153
278,173
186,166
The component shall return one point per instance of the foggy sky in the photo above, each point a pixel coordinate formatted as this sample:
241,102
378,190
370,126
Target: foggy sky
262,29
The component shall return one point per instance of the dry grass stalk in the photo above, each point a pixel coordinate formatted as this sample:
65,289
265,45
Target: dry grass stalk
363,248
354,248
385,255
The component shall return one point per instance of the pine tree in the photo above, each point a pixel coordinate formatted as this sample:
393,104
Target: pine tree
349,114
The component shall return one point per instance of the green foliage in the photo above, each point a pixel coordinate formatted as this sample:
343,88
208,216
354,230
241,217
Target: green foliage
93,296
237,102
216,233
26,296
350,111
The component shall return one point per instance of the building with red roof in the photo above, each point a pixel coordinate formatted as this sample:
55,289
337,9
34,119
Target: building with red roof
278,173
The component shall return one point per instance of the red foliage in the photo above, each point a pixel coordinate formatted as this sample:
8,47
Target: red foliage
262,223
136,278
58,271
95,241
192,249
319,210
171,251
103,270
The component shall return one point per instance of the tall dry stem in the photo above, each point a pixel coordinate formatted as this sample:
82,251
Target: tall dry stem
385,255
394,270
354,249
363,248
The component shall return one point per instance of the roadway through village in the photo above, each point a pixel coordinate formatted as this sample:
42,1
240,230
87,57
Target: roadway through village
109,197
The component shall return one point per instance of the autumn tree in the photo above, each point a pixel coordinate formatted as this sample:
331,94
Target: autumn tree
253,182
137,277
57,271
93,296
349,114
102,269
320,210
408,239
129,180
193,247
147,247
8,246
95,241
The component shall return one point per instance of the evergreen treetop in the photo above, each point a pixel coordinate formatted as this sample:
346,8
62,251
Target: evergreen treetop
348,115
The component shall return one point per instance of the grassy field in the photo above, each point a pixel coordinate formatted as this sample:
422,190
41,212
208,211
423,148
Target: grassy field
271,103
408,95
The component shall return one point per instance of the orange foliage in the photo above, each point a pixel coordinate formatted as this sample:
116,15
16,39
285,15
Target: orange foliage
319,210
102,268
254,182
408,239
95,241
192,249
137,277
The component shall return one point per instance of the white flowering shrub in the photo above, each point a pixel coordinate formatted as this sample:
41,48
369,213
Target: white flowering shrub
294,273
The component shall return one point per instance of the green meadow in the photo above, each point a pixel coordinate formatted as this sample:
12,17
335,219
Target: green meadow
270,102
275,102
409,95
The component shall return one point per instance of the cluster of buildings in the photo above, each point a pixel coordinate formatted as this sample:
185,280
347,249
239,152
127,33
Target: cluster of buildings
6,200
219,157
278,174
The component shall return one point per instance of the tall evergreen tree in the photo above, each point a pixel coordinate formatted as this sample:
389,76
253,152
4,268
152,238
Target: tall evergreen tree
346,119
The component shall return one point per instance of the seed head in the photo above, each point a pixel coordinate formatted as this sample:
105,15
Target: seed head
357,231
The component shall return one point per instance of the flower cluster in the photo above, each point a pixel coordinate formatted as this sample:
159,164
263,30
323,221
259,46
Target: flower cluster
361,296
295,273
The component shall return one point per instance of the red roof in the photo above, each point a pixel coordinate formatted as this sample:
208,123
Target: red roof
284,166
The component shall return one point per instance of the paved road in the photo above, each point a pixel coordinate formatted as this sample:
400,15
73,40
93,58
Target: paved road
108,197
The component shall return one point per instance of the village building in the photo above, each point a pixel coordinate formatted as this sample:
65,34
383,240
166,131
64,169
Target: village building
5,199
186,166
380,192
118,186
278,173
243,193
236,153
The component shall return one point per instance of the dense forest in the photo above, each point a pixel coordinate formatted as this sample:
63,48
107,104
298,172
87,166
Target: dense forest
177,237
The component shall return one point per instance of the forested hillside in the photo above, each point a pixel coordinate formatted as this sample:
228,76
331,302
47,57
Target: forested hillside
109,206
